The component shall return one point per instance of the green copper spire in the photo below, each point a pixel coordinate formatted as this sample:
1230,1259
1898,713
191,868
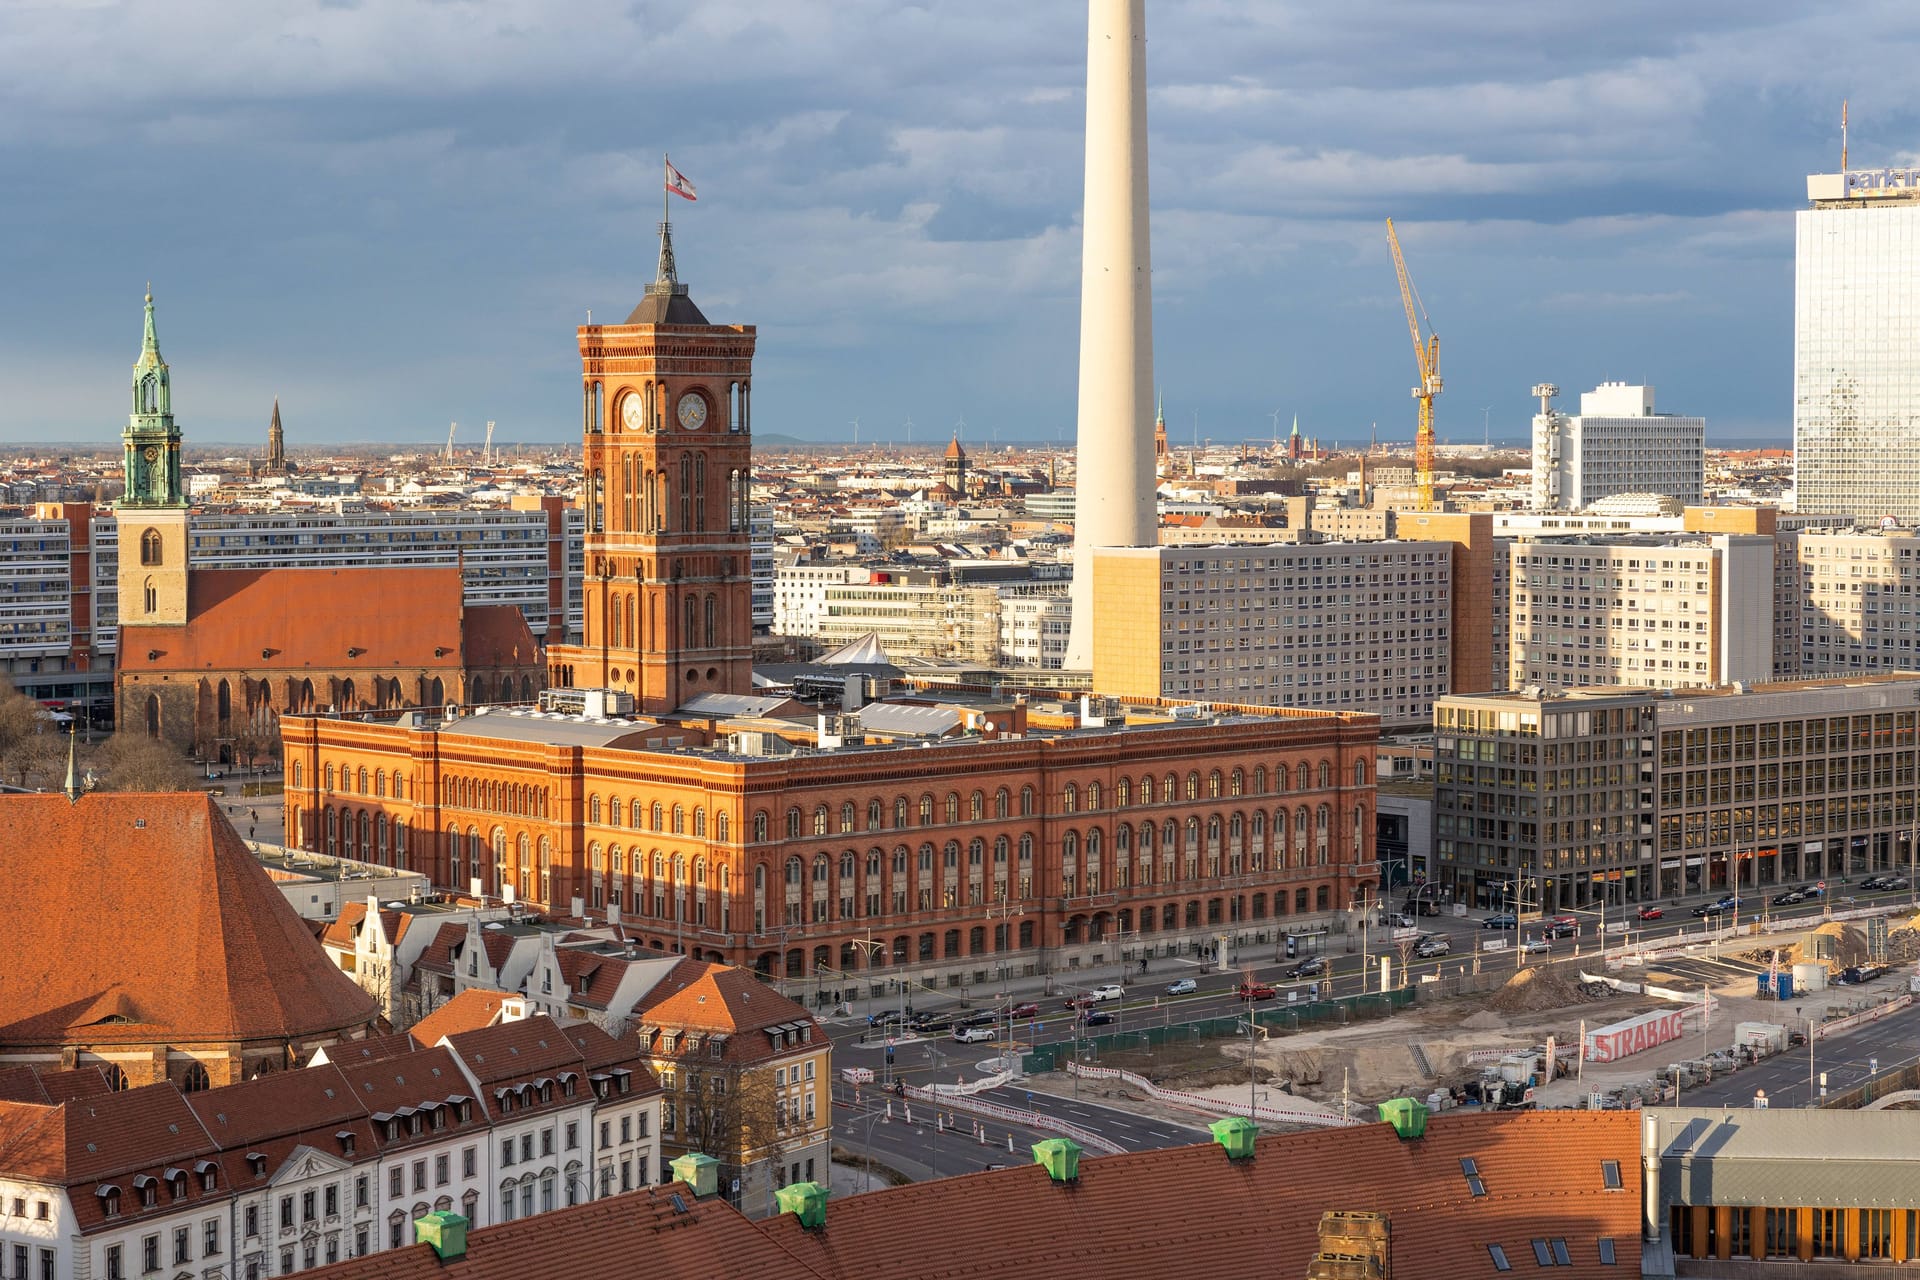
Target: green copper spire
151,439
1296,426
1160,410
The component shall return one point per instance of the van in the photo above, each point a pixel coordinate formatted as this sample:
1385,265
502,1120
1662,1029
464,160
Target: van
1431,946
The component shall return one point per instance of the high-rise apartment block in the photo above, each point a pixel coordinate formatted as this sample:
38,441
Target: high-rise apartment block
1856,375
1355,626
1616,444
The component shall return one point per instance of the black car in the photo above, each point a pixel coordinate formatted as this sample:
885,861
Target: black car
1712,909
932,1022
890,1018
1097,1018
1312,966
1789,898
1875,882
975,1018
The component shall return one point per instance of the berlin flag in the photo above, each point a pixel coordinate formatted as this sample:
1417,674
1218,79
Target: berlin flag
678,184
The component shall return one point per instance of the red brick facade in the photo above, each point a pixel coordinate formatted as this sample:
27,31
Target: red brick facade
1028,853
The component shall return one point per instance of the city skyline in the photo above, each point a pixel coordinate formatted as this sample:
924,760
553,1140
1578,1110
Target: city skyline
907,239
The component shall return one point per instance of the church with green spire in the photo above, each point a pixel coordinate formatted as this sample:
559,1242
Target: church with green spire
153,510
152,438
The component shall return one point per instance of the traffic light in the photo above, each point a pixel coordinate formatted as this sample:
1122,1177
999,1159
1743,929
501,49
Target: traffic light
889,1057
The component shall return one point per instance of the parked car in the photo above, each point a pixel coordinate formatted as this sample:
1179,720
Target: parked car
1432,945
1097,1018
1788,898
1185,986
1312,966
1108,991
925,1022
1255,991
1022,1011
967,1035
1428,907
976,1018
1652,913
1501,920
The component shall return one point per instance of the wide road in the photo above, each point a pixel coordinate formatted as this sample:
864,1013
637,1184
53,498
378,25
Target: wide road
1846,1060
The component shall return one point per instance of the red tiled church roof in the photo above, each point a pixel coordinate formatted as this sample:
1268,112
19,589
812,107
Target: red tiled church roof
398,617
138,918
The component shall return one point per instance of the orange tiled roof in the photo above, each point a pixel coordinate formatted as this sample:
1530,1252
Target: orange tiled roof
498,635
725,999
400,617
132,918
472,1009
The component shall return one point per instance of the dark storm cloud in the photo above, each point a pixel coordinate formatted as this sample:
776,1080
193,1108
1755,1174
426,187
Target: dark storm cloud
392,214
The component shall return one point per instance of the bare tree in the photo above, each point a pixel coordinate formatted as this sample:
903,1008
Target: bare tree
131,761
736,1115
33,748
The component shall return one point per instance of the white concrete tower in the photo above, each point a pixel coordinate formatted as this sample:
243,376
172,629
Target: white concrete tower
1114,473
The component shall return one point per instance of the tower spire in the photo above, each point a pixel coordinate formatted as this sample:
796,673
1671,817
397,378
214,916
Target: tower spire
150,341
72,787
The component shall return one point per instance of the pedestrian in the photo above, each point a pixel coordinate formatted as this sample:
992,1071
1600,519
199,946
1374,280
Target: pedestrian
249,831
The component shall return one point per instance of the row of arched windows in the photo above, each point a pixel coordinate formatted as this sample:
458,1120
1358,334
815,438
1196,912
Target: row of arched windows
613,811
927,811
489,796
364,782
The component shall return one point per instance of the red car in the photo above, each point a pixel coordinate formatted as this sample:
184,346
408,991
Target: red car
1254,991
1080,1002
1652,913
1022,1011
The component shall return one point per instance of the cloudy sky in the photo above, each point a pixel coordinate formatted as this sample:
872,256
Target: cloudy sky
392,213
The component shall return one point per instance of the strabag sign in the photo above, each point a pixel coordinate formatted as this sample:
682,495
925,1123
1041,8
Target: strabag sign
1622,1039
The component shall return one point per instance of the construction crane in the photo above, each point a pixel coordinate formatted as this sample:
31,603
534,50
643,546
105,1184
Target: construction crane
1426,354
450,430
488,454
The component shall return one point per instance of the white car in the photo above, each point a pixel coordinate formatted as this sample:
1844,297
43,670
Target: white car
967,1035
1110,991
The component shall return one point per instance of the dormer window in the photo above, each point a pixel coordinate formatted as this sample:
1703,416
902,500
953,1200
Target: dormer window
413,1124
466,1110
109,1200
177,1184
393,1130
209,1174
149,1190
258,1163
346,1142
546,1091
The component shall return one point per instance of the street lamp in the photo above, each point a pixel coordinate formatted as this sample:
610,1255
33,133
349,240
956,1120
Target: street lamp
1005,910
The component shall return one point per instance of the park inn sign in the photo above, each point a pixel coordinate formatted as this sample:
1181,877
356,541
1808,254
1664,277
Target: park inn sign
1621,1039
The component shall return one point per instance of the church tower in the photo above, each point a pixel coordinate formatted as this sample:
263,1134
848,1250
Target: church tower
954,468
276,443
666,407
152,513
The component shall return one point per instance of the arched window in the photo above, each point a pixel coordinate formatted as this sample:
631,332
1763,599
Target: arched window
1026,802
1213,785
1359,773
1070,799
1093,797
679,820
1001,803
874,813
593,808
1193,785
820,820
195,1079
1122,794
793,822
1326,774
699,822
926,811
760,826
1302,777
722,826
846,817
977,806
150,547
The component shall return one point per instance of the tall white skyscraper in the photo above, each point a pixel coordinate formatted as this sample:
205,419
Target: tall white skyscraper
1856,345
1616,444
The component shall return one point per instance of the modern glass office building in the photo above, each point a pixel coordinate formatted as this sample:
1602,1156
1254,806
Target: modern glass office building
1856,345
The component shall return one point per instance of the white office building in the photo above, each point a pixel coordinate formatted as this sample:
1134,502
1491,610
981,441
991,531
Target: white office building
1856,345
1616,444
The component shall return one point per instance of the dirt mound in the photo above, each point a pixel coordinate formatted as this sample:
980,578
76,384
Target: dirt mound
1834,944
1485,1020
1537,991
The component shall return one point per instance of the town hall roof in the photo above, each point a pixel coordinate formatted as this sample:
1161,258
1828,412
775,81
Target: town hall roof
139,918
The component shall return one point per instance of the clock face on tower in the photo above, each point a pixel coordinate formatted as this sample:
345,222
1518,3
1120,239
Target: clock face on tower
692,411
630,412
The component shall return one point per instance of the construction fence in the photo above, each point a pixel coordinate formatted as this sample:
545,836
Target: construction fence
1272,1018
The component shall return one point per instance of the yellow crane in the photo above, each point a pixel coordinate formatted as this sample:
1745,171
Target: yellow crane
1426,354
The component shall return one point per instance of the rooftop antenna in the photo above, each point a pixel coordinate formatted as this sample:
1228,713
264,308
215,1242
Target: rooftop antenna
1486,432
960,427
909,431
450,430
488,454
856,433
1843,135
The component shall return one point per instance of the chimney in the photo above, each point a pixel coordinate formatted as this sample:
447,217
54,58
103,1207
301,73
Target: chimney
1236,1135
1408,1116
1353,1246
446,1232
1060,1156
806,1201
699,1171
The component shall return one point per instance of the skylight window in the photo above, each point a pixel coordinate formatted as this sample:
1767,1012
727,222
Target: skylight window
1499,1257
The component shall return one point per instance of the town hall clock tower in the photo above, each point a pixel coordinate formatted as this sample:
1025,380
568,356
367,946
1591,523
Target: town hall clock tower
667,408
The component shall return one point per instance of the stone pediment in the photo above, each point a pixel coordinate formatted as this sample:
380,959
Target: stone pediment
306,1163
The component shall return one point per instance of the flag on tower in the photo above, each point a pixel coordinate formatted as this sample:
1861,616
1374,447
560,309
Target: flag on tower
678,184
